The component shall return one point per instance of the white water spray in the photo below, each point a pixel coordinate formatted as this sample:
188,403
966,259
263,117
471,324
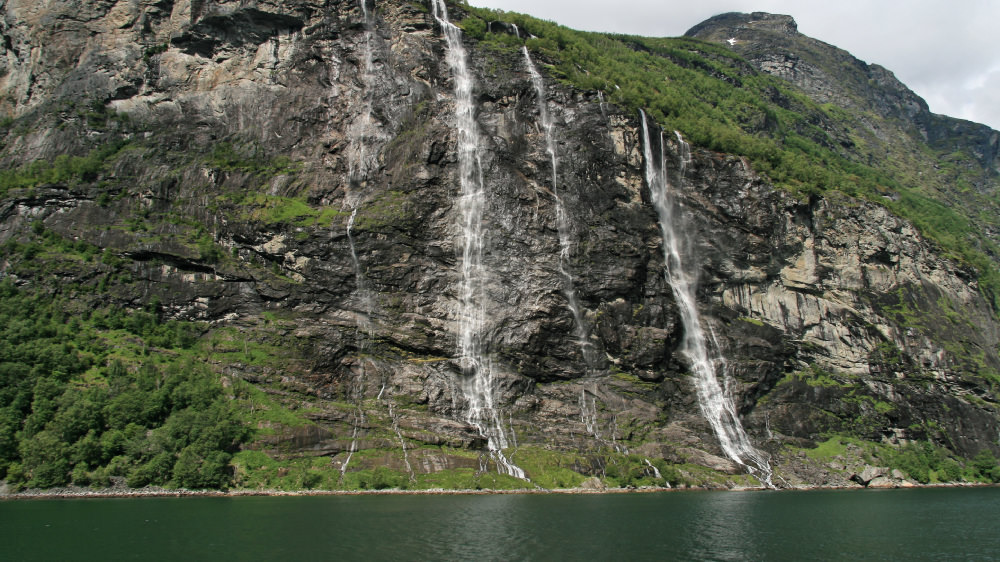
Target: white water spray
716,404
562,220
477,369
402,442
656,471
588,414
362,130
362,289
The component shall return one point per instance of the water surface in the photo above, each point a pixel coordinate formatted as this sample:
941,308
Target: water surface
926,524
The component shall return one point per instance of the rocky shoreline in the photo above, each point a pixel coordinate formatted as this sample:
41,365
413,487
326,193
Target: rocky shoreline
74,492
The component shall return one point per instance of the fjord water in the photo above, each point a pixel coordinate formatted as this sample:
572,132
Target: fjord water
922,524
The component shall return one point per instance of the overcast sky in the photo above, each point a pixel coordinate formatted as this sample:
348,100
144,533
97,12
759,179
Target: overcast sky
944,50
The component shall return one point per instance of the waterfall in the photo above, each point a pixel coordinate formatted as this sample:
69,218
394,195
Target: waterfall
358,420
588,414
477,369
361,285
716,404
362,129
562,220
360,132
402,442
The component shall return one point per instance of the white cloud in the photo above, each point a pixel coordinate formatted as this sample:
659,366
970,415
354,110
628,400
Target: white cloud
943,50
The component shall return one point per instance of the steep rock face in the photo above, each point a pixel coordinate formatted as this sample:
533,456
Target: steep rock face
250,155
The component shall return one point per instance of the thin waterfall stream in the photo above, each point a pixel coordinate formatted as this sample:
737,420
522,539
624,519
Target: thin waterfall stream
562,219
360,132
478,382
716,404
362,289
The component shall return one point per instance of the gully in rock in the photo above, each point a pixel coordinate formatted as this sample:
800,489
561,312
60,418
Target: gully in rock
716,405
477,368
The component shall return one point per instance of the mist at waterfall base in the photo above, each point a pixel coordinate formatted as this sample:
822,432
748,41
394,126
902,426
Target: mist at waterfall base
921,524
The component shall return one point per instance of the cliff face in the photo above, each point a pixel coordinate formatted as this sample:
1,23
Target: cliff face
288,173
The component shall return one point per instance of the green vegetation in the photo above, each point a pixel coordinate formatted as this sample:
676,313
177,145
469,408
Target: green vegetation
64,169
921,461
925,463
228,157
719,102
816,376
151,52
273,209
546,469
86,397
828,449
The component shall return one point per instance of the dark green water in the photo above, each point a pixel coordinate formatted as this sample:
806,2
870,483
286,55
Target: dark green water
932,524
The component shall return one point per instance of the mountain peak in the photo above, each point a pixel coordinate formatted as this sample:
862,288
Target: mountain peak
734,22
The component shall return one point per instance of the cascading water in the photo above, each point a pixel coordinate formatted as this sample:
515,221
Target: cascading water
402,442
477,368
716,404
588,414
360,132
562,220
362,129
362,289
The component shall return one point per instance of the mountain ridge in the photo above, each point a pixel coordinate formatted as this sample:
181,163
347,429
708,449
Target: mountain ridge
901,103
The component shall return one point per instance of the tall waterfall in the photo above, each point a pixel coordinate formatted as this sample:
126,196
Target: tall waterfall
716,404
479,381
362,129
360,133
562,220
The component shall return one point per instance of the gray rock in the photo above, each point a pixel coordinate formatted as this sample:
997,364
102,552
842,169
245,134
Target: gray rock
594,483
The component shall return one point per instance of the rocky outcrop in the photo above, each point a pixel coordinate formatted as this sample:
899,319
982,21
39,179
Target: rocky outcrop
231,204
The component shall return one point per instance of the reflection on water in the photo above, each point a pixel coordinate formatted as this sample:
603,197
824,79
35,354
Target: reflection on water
722,526
825,525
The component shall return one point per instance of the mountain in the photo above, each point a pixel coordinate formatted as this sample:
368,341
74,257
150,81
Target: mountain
331,244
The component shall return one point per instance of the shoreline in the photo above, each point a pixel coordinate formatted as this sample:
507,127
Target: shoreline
109,493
